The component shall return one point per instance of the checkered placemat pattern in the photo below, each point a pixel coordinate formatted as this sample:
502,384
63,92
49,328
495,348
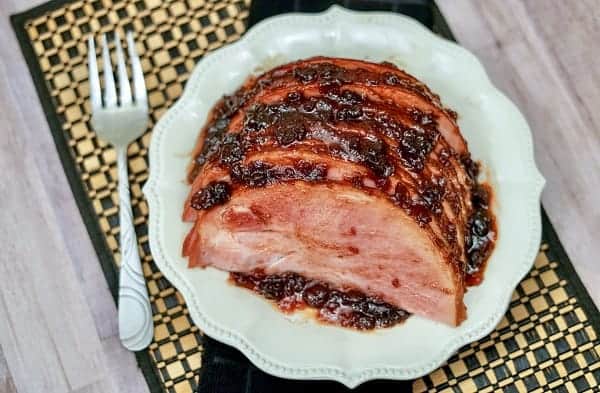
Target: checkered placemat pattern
544,343
547,341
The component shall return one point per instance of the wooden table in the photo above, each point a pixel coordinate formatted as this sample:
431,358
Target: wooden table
58,329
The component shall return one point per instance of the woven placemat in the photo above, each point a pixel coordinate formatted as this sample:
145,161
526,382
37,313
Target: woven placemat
547,341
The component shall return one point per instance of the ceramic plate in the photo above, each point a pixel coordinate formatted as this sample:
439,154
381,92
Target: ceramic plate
297,347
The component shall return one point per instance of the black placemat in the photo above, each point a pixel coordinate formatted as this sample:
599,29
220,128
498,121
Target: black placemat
547,341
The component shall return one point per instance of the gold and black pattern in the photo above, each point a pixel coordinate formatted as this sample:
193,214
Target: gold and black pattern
548,339
544,342
171,37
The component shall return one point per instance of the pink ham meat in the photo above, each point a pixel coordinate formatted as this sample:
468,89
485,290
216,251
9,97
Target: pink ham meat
297,227
342,171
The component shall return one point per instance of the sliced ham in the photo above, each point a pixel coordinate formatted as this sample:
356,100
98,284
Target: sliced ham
341,171
298,227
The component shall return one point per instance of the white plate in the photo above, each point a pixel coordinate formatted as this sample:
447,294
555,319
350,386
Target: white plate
300,348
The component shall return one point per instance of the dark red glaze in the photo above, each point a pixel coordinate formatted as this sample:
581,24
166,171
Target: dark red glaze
345,308
299,118
260,174
481,236
215,193
427,204
328,74
415,144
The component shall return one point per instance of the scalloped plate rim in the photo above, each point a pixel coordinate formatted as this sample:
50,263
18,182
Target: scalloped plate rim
229,335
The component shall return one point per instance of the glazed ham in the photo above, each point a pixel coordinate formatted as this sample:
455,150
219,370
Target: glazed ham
345,174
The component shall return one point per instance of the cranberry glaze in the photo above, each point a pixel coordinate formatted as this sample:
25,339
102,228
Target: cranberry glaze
349,309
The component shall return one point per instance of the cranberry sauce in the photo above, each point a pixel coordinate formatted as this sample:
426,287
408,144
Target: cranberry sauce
428,203
330,78
321,119
349,309
298,117
216,129
215,193
331,74
260,174
481,234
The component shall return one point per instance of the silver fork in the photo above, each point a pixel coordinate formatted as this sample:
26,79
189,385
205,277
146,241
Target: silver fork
120,123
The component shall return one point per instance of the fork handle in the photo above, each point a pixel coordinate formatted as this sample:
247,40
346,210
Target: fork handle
135,314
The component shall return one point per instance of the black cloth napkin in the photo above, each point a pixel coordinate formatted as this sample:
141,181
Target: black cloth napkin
225,369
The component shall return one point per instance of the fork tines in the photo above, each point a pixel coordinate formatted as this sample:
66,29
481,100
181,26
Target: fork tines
110,93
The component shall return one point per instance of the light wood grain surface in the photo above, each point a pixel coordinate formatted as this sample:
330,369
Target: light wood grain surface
544,55
58,329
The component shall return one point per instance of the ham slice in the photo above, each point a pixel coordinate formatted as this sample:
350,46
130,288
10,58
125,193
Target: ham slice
342,171
298,227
